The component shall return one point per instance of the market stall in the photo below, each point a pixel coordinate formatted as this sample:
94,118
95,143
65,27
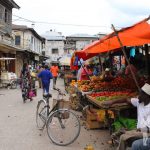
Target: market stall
96,92
120,86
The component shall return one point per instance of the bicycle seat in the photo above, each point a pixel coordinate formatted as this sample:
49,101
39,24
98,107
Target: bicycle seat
47,95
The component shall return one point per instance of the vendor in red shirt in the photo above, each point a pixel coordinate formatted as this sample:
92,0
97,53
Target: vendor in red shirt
54,70
85,73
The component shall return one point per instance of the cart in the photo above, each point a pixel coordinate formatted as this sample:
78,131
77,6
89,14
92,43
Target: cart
8,79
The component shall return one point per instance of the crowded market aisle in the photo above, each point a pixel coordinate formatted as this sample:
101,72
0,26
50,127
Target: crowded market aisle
18,127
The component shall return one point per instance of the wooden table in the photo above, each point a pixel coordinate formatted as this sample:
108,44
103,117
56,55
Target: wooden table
100,104
116,108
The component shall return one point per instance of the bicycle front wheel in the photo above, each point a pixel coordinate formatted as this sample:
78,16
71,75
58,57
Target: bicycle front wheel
63,127
41,114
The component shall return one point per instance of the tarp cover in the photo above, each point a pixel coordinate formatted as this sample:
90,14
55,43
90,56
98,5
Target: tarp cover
136,35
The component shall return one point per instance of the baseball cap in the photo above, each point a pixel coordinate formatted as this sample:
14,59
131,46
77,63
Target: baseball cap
107,69
146,88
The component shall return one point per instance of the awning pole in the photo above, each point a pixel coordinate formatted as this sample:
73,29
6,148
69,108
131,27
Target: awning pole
100,63
123,50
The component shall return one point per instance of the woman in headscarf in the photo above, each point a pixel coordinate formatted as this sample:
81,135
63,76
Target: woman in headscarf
25,82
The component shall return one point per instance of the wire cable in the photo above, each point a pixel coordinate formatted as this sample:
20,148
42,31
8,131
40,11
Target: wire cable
56,23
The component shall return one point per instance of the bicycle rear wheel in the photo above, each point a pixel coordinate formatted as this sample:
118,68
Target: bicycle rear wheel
63,127
41,114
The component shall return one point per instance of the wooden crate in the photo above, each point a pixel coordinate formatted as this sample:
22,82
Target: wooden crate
94,124
90,116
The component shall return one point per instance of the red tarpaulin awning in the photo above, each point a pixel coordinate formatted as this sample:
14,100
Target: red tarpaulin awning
136,35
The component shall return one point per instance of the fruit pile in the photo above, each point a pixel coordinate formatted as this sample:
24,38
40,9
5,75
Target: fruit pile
117,84
84,85
73,82
103,96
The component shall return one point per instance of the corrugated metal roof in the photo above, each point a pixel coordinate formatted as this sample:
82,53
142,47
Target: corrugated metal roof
83,36
53,35
14,5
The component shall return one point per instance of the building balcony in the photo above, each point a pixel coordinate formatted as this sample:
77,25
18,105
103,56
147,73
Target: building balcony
5,28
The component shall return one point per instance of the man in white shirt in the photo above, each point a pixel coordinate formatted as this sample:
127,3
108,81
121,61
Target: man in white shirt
143,114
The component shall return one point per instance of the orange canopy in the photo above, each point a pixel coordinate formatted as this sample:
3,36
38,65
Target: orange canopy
136,35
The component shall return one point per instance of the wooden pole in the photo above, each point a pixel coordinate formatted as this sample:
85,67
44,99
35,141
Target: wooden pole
100,63
146,59
123,50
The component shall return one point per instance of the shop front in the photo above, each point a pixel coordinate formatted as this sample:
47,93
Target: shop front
7,64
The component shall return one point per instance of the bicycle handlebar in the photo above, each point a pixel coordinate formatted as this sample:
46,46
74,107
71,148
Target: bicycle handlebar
59,91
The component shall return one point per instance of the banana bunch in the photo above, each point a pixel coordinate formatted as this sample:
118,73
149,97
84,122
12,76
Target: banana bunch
101,115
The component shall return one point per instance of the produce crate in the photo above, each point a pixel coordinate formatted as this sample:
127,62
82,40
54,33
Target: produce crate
94,124
90,116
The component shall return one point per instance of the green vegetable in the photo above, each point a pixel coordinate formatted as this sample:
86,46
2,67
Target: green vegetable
122,122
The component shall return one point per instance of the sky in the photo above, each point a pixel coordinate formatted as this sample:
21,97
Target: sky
80,16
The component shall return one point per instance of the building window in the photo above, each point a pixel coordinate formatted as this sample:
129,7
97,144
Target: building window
2,9
17,40
7,16
55,51
32,39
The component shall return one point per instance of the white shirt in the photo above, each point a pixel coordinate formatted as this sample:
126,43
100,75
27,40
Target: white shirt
143,113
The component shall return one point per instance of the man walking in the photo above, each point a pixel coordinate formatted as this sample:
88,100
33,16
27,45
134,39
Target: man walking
45,76
54,70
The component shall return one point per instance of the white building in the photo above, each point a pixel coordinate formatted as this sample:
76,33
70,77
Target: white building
79,41
28,39
54,45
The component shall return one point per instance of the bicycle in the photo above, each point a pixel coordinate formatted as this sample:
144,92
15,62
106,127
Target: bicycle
63,126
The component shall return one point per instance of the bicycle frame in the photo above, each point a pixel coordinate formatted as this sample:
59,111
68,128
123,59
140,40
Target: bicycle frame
59,115
48,111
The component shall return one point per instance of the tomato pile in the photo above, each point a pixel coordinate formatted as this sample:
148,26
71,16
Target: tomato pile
102,96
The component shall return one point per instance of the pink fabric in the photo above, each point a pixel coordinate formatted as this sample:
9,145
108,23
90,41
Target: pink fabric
84,75
31,94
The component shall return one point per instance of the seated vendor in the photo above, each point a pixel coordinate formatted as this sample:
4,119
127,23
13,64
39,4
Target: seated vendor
143,115
107,75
